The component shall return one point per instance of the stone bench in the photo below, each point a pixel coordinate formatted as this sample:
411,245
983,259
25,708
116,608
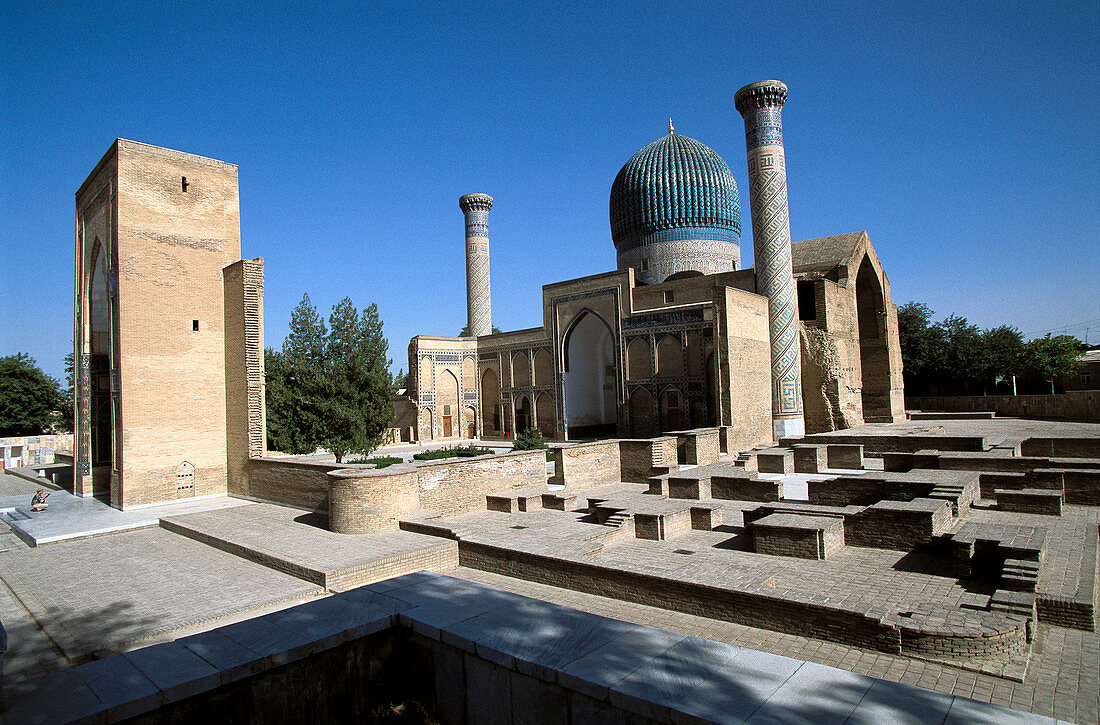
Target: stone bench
1030,501
775,460
705,517
899,525
805,537
559,501
847,456
745,486
809,458
514,501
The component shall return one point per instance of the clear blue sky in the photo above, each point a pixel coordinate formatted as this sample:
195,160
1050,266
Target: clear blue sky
962,137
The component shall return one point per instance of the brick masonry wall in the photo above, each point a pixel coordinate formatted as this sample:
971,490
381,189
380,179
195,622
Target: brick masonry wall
458,486
244,369
296,483
1082,487
587,465
1076,405
777,541
1063,447
755,610
367,501
641,458
745,489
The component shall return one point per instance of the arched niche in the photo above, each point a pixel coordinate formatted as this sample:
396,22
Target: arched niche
521,371
672,409
446,404
591,373
639,360
670,357
524,415
544,368
544,415
874,356
642,420
490,401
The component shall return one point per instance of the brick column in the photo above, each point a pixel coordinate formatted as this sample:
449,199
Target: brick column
761,105
475,207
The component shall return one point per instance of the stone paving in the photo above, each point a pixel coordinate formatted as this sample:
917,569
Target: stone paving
299,543
1061,682
15,487
67,601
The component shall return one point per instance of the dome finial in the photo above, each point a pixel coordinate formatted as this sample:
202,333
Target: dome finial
670,128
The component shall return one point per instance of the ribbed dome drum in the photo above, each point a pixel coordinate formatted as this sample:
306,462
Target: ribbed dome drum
675,208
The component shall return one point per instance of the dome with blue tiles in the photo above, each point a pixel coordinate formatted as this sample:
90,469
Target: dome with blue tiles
675,190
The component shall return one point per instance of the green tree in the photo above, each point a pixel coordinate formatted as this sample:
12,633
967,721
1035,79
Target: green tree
1002,356
63,420
465,331
1049,357
963,354
295,385
28,397
923,349
401,380
358,395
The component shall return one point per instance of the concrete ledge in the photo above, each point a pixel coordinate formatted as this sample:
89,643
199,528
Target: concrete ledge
477,655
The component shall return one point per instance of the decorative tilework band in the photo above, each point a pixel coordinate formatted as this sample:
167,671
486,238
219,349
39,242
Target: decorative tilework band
761,105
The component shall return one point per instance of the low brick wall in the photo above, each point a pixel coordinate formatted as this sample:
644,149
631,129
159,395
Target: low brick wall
700,447
587,465
1082,487
938,635
753,609
364,500
641,458
875,444
290,481
1076,405
1063,447
744,488
898,525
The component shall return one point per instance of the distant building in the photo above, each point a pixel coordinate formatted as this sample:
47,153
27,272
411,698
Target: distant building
1087,376
679,336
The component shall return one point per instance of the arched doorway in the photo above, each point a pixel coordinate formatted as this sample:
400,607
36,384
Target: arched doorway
490,402
590,377
469,417
641,413
523,414
427,431
874,356
100,414
544,415
447,403
672,410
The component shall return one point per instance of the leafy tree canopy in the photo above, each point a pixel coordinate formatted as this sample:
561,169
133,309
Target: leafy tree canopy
465,331
331,386
954,357
28,397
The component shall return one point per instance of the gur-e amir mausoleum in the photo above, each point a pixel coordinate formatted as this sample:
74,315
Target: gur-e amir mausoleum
679,336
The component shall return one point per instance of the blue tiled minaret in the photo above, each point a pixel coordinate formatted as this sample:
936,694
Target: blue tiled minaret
479,316
761,105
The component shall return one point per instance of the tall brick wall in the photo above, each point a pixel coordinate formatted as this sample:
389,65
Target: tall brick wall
244,369
744,368
175,227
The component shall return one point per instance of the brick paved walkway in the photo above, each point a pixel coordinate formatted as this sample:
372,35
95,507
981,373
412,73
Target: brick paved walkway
69,600
1061,682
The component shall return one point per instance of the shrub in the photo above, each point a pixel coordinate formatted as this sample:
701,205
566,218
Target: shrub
380,461
453,452
529,440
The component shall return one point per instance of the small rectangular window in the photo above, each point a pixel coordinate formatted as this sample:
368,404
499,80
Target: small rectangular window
645,265
1086,378
807,301
668,296
194,325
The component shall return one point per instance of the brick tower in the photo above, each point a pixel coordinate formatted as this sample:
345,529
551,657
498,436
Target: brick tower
761,105
479,317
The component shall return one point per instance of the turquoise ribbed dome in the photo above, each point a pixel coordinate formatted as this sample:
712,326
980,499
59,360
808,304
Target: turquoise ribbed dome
674,188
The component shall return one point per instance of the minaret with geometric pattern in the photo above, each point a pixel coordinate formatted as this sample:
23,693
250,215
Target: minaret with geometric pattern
761,105
479,317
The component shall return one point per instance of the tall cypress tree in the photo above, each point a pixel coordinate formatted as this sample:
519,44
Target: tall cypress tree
295,385
357,401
